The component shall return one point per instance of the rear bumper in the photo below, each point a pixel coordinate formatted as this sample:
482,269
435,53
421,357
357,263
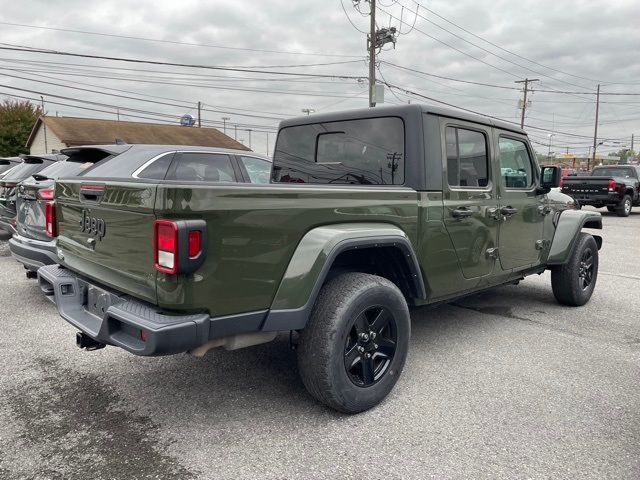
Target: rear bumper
122,319
33,254
7,227
602,200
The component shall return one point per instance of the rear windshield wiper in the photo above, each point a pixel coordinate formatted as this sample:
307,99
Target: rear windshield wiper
39,177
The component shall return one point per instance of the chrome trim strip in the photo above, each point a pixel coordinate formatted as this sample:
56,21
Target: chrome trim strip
149,162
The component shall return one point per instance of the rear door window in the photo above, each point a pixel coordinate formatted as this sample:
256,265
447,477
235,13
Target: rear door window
202,167
259,170
467,158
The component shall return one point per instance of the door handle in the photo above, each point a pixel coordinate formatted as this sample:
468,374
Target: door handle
508,211
494,213
544,210
461,213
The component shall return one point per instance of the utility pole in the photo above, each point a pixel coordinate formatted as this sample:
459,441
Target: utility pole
372,54
118,114
632,144
308,111
199,122
235,132
526,82
249,130
267,144
224,124
595,130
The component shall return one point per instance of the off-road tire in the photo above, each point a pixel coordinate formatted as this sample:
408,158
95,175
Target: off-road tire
566,280
623,209
323,342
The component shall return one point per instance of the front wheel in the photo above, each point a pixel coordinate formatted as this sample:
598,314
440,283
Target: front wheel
573,282
354,346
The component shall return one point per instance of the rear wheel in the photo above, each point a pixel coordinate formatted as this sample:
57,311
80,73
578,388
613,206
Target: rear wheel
624,207
355,344
573,282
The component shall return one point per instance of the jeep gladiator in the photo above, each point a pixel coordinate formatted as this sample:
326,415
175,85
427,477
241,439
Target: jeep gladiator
368,213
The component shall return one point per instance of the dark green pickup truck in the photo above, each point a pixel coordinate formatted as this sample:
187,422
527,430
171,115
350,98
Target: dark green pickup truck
368,213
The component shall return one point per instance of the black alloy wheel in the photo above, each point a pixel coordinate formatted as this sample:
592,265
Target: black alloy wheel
370,346
585,272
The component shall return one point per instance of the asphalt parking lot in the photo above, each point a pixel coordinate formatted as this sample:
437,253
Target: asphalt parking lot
506,384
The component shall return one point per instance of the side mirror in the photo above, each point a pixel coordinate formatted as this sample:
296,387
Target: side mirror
549,178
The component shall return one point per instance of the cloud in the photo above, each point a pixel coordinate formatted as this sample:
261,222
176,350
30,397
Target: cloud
590,41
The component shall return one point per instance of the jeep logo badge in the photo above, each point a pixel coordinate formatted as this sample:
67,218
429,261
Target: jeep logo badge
93,226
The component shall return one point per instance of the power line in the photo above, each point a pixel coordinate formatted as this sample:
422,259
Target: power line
132,98
349,18
312,93
27,49
173,42
483,114
517,55
448,78
456,49
100,104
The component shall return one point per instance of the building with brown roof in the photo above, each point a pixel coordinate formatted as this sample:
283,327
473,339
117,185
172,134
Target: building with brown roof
56,133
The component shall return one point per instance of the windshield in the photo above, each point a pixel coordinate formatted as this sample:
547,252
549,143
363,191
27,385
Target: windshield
25,170
612,172
366,151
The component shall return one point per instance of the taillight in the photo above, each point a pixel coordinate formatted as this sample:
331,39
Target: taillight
179,245
45,194
50,219
612,185
166,246
195,243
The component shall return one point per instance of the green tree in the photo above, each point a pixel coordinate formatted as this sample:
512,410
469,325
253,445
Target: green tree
625,154
17,118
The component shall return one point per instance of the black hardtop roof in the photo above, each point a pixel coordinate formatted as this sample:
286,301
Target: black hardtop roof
400,110
157,149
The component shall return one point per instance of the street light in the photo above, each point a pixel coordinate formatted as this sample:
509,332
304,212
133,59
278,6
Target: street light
551,135
224,124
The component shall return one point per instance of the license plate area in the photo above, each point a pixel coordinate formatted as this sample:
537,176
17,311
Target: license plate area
98,301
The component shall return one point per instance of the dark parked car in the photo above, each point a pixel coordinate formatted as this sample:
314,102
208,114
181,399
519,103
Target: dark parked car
30,244
33,245
616,187
7,164
9,188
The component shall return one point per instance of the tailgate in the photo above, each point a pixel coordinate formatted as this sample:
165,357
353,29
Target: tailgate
30,214
585,186
105,232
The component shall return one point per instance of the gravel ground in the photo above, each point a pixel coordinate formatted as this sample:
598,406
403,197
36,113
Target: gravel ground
506,384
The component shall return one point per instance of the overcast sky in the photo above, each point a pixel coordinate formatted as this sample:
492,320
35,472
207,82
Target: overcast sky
569,46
